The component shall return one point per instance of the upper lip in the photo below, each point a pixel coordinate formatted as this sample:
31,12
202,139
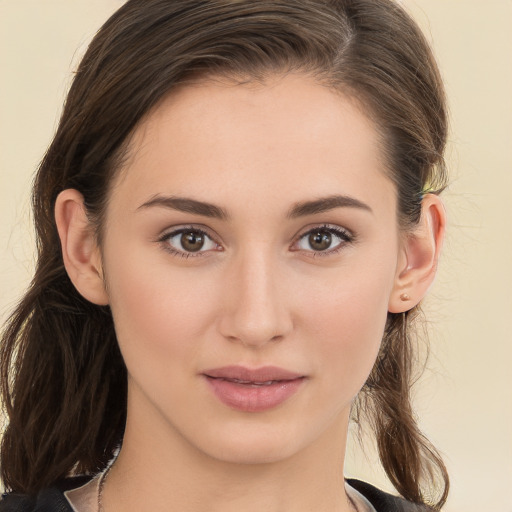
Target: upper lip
262,374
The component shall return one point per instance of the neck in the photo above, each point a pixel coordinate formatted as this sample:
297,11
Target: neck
165,472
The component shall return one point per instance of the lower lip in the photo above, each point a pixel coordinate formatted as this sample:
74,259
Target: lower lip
250,398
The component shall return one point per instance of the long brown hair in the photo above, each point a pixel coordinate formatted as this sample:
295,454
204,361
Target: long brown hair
64,383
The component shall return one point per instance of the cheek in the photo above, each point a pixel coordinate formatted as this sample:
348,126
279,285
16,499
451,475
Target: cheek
346,322
158,311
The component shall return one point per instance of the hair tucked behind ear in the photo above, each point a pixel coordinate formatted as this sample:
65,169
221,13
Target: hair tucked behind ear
63,378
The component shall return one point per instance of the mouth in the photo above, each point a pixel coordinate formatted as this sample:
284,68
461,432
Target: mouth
253,390
245,375
250,382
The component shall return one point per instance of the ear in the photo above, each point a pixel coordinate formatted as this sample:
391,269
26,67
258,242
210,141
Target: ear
80,252
419,256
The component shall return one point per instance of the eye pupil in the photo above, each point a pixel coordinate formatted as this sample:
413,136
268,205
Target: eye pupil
192,241
320,240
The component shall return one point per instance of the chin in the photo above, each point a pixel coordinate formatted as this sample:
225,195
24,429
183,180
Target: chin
262,443
253,453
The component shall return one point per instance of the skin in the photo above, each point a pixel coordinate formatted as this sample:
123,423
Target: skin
257,294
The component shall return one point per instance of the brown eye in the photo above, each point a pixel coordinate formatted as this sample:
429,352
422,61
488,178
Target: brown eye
192,241
325,239
187,241
320,240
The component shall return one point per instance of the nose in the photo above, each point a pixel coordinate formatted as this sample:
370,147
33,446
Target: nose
255,307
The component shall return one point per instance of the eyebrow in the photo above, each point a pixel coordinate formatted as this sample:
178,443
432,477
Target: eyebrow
187,205
301,209
325,204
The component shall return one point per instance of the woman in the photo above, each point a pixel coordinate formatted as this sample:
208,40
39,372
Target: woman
237,219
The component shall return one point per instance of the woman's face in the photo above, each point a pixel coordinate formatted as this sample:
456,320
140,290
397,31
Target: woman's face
253,226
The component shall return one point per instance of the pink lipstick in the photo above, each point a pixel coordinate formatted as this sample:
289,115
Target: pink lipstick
253,390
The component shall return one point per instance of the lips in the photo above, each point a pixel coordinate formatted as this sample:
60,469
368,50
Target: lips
248,375
253,390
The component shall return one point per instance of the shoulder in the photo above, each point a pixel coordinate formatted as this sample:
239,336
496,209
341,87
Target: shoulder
47,500
384,502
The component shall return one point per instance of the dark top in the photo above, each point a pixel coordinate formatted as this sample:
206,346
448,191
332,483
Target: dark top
53,499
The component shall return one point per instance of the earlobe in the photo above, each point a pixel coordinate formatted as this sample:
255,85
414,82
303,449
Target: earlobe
80,252
420,252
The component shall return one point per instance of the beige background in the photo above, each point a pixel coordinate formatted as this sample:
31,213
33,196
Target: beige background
465,398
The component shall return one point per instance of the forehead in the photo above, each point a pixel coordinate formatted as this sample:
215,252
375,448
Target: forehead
284,138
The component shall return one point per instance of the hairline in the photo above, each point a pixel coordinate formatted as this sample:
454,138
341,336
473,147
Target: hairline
123,156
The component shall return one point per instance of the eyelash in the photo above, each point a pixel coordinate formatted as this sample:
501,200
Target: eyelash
164,240
345,236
